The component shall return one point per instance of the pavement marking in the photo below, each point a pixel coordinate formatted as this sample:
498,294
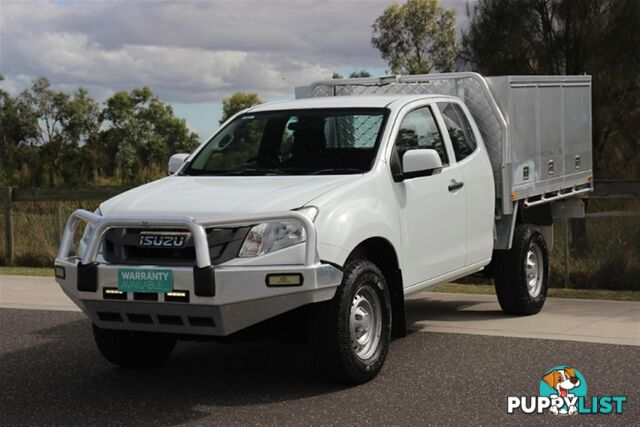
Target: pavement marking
608,322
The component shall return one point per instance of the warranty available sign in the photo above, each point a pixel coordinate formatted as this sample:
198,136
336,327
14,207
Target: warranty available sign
145,280
563,391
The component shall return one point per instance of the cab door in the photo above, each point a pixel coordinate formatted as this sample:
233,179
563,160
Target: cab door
472,159
432,208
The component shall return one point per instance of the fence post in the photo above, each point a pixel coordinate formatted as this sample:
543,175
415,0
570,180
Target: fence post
8,225
59,219
566,252
579,240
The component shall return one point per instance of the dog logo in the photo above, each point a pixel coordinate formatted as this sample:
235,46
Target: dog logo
563,391
564,386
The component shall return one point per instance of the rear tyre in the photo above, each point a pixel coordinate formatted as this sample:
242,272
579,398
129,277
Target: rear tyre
522,273
350,334
132,349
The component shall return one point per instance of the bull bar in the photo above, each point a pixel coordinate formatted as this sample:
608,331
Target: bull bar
241,296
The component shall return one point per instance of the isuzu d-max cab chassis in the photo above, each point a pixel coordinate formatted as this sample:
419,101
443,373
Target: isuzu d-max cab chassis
334,206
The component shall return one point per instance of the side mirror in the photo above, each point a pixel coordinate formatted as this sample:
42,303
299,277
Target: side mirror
176,161
420,162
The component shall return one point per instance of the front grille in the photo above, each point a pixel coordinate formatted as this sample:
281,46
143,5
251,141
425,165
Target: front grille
121,247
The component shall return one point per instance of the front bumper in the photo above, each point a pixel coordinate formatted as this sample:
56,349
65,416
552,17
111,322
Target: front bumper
239,296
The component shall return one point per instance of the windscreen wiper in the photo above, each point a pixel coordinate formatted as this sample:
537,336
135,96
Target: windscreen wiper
336,171
255,171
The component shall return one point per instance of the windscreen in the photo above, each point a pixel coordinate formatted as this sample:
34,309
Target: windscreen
299,142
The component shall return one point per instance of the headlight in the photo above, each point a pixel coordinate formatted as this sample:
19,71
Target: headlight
86,236
272,236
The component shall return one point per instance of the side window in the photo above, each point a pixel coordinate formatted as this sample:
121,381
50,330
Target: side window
460,132
419,130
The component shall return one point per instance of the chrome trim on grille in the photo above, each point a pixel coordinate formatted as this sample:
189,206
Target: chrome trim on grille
195,226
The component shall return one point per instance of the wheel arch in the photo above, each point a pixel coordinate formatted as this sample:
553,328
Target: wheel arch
541,216
382,253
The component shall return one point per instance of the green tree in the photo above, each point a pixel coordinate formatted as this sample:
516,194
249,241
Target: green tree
353,75
598,37
51,138
46,109
62,123
141,132
238,102
358,74
15,129
416,37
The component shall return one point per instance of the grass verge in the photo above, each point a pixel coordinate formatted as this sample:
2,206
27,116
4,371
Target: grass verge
456,288
598,294
27,271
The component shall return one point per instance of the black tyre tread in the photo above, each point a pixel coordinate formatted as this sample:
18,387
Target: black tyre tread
510,284
131,349
329,336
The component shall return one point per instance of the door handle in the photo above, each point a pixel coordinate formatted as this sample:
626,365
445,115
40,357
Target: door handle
454,185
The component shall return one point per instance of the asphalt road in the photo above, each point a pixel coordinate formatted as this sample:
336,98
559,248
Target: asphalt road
605,322
51,373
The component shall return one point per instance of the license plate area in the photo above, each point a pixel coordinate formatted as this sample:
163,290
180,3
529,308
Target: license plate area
145,280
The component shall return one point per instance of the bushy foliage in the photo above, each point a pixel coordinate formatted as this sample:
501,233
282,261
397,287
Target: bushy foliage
416,37
238,102
53,138
596,37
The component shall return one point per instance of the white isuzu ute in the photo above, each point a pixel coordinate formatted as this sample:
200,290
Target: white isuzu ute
320,214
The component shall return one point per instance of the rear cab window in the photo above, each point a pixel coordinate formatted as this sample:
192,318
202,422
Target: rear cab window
459,129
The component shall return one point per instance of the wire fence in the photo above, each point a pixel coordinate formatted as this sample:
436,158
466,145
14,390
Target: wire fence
601,250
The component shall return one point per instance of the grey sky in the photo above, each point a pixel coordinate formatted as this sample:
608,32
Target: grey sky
191,53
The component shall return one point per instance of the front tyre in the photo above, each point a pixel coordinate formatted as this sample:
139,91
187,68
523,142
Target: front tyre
522,273
350,334
133,349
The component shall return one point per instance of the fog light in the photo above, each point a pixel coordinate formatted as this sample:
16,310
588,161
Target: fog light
177,294
294,279
113,293
59,271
